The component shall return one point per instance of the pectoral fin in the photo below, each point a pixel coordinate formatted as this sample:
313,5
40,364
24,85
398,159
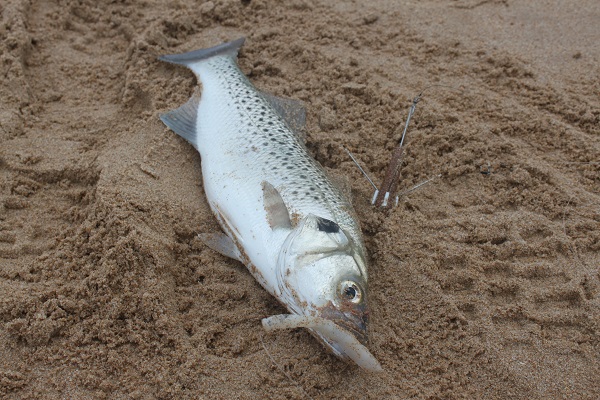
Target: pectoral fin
222,244
277,212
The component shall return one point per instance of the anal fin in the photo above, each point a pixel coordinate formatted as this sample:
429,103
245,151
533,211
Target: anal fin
222,244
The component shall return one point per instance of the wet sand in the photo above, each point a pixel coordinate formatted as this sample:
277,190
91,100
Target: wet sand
484,283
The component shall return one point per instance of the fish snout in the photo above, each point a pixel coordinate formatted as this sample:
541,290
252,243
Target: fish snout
354,321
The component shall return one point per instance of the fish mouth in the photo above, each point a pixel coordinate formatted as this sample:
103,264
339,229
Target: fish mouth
340,339
353,321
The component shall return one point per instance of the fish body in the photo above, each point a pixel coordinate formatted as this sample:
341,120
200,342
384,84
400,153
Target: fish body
281,215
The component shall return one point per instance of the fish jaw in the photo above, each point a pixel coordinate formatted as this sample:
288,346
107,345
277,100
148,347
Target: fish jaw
355,320
342,342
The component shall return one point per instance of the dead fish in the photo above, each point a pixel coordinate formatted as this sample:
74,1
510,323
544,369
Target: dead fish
282,217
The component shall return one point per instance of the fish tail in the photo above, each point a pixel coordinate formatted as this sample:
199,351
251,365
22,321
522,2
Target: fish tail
183,120
193,57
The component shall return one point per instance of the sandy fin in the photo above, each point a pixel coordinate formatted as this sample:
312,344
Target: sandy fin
192,57
292,111
221,243
182,120
277,212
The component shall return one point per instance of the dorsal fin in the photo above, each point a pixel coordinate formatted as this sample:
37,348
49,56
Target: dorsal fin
292,111
182,120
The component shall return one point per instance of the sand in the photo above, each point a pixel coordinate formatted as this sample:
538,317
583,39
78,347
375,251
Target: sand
484,283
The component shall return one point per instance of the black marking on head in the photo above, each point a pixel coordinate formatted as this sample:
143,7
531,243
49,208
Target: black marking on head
327,226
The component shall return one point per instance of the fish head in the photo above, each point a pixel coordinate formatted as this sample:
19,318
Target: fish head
322,273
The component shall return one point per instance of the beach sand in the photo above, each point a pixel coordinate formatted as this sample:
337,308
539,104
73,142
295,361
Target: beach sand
484,283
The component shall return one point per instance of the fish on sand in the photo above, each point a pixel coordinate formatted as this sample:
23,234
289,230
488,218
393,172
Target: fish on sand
280,214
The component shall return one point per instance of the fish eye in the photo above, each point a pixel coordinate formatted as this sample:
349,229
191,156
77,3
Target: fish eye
350,291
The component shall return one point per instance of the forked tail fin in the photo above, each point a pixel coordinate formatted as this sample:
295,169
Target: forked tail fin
192,57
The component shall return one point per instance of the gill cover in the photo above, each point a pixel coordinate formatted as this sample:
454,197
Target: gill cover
316,258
